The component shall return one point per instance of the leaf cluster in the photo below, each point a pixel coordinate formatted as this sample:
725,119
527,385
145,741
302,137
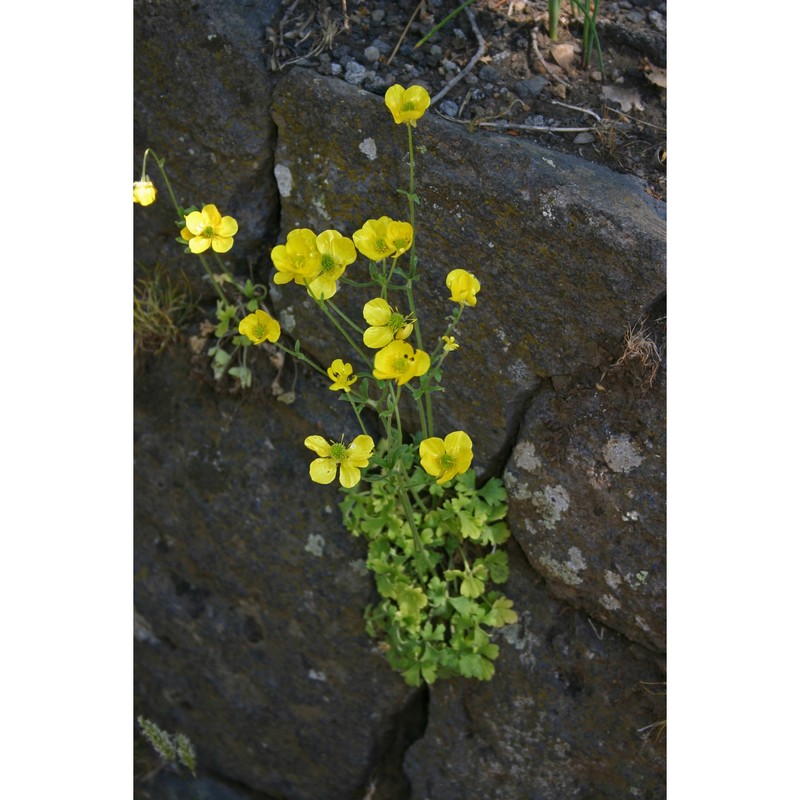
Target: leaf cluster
434,616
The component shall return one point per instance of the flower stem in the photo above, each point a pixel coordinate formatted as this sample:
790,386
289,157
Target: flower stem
337,325
160,165
357,413
345,318
301,357
212,278
419,549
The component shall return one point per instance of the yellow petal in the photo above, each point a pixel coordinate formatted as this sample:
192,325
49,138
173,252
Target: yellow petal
212,216
322,470
360,451
349,475
198,244
377,312
319,445
430,451
221,244
195,223
228,226
377,337
422,363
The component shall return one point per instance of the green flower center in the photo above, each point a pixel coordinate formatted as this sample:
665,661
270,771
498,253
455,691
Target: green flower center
259,330
446,461
381,246
328,263
396,321
409,106
338,452
400,364
208,232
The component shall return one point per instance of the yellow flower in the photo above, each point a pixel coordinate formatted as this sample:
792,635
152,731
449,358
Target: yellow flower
144,192
259,327
399,361
337,252
372,240
384,323
407,105
446,459
350,460
400,235
450,343
298,260
463,287
209,229
380,238
342,376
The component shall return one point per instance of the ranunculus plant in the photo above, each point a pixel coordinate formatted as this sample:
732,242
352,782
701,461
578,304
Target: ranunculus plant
433,536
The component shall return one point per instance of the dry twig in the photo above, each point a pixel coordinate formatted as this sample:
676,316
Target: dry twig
543,62
473,61
405,31
577,108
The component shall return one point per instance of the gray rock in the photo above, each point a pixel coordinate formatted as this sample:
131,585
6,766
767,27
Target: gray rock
488,74
372,54
449,107
201,90
355,73
563,716
531,88
251,591
587,503
384,48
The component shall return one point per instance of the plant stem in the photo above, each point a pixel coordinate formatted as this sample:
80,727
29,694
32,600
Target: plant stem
553,11
302,357
426,418
443,23
160,165
212,278
337,325
347,319
357,413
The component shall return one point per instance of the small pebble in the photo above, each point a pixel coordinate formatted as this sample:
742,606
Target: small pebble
531,88
355,73
377,15
584,137
336,69
449,107
449,65
635,17
375,83
384,48
488,74
657,21
372,54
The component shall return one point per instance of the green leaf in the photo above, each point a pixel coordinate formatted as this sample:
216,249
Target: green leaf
252,305
244,375
501,613
463,605
468,527
472,586
497,564
411,600
493,491
222,328
412,675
